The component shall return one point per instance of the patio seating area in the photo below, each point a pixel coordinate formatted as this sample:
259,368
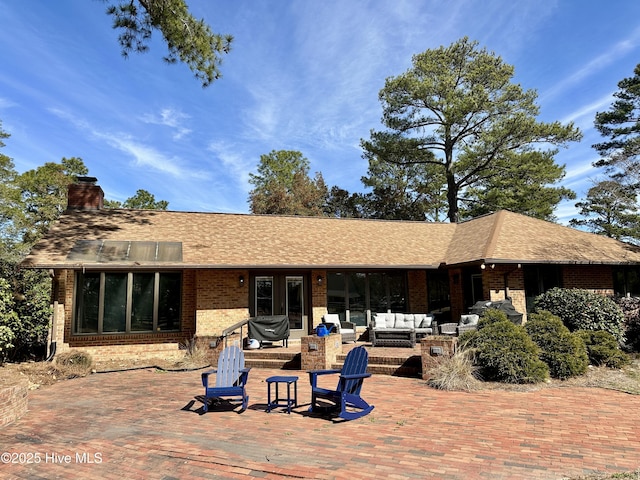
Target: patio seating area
147,424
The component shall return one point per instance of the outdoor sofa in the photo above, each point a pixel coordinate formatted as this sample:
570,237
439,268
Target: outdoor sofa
400,329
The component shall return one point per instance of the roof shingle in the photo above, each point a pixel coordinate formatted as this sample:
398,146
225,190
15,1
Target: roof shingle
214,240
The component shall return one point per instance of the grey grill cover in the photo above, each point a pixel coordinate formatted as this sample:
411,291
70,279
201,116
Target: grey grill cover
504,305
269,328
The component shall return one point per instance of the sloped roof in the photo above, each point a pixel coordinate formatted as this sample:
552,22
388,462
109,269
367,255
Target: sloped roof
214,240
524,239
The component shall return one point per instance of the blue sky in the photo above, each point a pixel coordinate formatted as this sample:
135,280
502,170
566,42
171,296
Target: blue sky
302,75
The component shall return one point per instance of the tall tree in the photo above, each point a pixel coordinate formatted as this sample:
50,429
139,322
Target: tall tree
283,186
457,109
521,185
621,126
188,39
408,191
142,200
610,209
44,196
9,192
342,204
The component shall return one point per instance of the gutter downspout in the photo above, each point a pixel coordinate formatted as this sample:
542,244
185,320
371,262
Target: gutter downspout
52,332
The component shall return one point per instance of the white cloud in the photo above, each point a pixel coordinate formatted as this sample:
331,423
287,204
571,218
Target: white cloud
6,103
144,155
235,162
583,116
169,117
589,110
597,64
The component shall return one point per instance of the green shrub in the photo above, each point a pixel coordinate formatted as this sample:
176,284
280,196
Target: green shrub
6,337
630,307
603,349
466,339
491,316
583,310
507,354
564,352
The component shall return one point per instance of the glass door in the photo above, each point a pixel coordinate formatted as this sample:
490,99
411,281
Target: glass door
281,295
264,296
295,302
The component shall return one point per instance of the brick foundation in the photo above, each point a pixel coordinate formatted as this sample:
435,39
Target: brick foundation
430,359
13,401
318,353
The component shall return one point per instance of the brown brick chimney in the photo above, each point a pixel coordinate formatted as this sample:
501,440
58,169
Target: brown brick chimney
85,195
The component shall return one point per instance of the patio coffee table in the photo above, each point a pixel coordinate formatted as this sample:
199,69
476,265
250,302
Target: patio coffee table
393,337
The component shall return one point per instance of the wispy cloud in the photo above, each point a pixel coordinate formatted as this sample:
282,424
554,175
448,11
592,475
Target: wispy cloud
169,117
143,155
234,161
583,116
6,103
596,64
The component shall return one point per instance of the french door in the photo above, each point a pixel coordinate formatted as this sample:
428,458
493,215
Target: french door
282,295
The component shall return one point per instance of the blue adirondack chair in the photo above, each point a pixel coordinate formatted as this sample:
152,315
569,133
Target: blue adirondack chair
231,377
345,399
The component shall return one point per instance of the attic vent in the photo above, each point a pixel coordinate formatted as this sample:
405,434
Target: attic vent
111,251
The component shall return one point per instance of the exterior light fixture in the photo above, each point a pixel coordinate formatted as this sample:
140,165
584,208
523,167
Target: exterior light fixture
241,280
319,279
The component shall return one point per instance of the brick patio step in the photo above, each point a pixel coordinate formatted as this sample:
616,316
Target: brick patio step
276,359
389,364
399,366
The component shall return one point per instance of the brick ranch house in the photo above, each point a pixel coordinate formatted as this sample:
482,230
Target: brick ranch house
138,282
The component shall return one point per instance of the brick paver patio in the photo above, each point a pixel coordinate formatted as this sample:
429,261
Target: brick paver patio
146,424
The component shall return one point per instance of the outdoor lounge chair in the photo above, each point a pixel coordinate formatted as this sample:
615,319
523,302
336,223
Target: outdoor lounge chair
231,377
344,328
345,399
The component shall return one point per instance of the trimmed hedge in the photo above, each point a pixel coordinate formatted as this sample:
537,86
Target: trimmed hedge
564,352
491,316
603,349
583,310
507,354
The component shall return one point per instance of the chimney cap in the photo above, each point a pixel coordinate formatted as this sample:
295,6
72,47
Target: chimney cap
89,180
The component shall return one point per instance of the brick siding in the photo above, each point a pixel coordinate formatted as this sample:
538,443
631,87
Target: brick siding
417,286
597,278
494,280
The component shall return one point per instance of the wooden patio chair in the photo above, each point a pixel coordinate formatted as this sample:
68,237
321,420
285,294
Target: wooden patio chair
231,378
345,400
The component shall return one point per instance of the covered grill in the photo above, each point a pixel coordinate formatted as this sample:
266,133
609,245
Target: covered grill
503,305
269,328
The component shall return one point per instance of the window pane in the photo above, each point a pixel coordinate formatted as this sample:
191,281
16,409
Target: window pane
397,292
336,299
88,303
357,298
142,302
115,302
264,296
169,302
378,293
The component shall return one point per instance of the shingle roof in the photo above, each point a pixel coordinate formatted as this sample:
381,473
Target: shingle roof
213,240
